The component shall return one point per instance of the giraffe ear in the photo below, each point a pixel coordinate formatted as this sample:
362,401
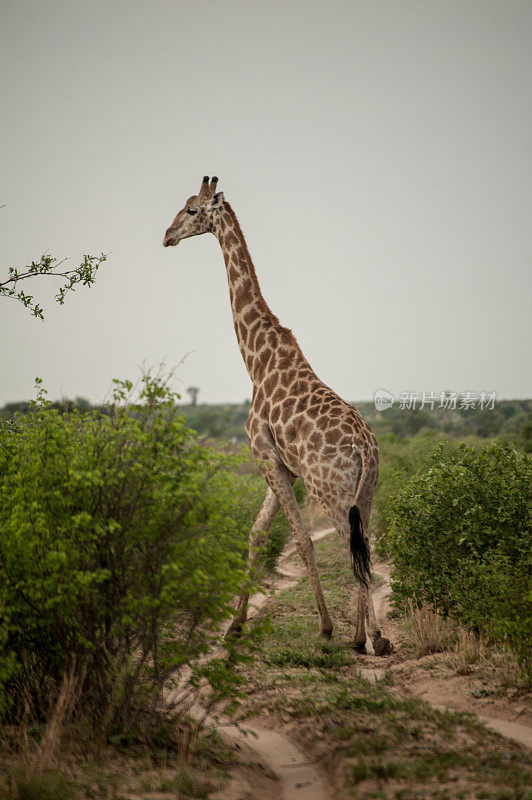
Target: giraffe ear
217,199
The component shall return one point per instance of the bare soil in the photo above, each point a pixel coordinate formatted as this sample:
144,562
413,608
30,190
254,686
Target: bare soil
437,680
434,679
270,764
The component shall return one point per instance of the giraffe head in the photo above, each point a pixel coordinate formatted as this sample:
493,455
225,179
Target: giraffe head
197,216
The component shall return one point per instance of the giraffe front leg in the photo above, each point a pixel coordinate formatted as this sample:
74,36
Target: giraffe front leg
282,485
305,548
280,481
258,537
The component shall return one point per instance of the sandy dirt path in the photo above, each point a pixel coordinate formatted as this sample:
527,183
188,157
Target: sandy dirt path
442,693
272,765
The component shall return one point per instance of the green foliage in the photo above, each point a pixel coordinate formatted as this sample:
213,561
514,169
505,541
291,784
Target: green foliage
526,434
48,265
400,460
120,552
460,538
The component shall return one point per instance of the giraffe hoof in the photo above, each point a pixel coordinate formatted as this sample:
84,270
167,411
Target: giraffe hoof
382,646
360,647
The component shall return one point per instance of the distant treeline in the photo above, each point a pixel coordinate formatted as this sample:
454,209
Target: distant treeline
509,420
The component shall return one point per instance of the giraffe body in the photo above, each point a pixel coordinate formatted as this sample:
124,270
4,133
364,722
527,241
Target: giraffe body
297,426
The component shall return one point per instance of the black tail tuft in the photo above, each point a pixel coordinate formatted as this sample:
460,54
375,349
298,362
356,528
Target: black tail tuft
359,547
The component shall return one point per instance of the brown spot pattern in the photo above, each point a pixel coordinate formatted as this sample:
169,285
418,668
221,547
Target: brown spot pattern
296,424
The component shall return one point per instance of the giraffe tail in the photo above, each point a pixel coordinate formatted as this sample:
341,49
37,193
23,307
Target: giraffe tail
359,547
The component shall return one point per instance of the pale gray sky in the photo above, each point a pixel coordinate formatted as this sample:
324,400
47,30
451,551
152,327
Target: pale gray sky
377,154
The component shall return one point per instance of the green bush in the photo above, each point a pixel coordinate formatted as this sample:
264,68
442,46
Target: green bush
400,460
122,546
460,539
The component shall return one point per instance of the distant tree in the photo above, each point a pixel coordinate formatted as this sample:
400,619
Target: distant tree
20,407
82,404
193,391
48,265
507,410
526,435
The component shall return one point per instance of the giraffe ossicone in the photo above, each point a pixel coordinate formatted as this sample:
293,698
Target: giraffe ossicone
297,426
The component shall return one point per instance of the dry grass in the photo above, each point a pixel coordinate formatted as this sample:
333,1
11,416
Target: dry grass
509,672
60,714
31,782
35,763
429,631
466,652
490,662
64,760
469,649
184,763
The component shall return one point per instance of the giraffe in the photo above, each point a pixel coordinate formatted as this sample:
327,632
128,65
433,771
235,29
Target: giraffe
297,426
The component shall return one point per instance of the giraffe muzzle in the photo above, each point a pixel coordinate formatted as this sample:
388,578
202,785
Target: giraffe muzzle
170,238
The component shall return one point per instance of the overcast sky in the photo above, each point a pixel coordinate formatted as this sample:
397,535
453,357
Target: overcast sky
377,154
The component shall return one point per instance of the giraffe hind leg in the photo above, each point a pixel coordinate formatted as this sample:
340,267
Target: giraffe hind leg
381,645
351,521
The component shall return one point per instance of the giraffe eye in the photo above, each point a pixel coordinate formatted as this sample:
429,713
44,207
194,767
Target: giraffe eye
191,211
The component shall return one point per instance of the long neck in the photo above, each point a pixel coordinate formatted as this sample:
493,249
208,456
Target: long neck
257,328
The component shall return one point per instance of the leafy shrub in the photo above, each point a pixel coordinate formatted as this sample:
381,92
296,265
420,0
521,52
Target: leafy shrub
121,548
460,539
400,460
